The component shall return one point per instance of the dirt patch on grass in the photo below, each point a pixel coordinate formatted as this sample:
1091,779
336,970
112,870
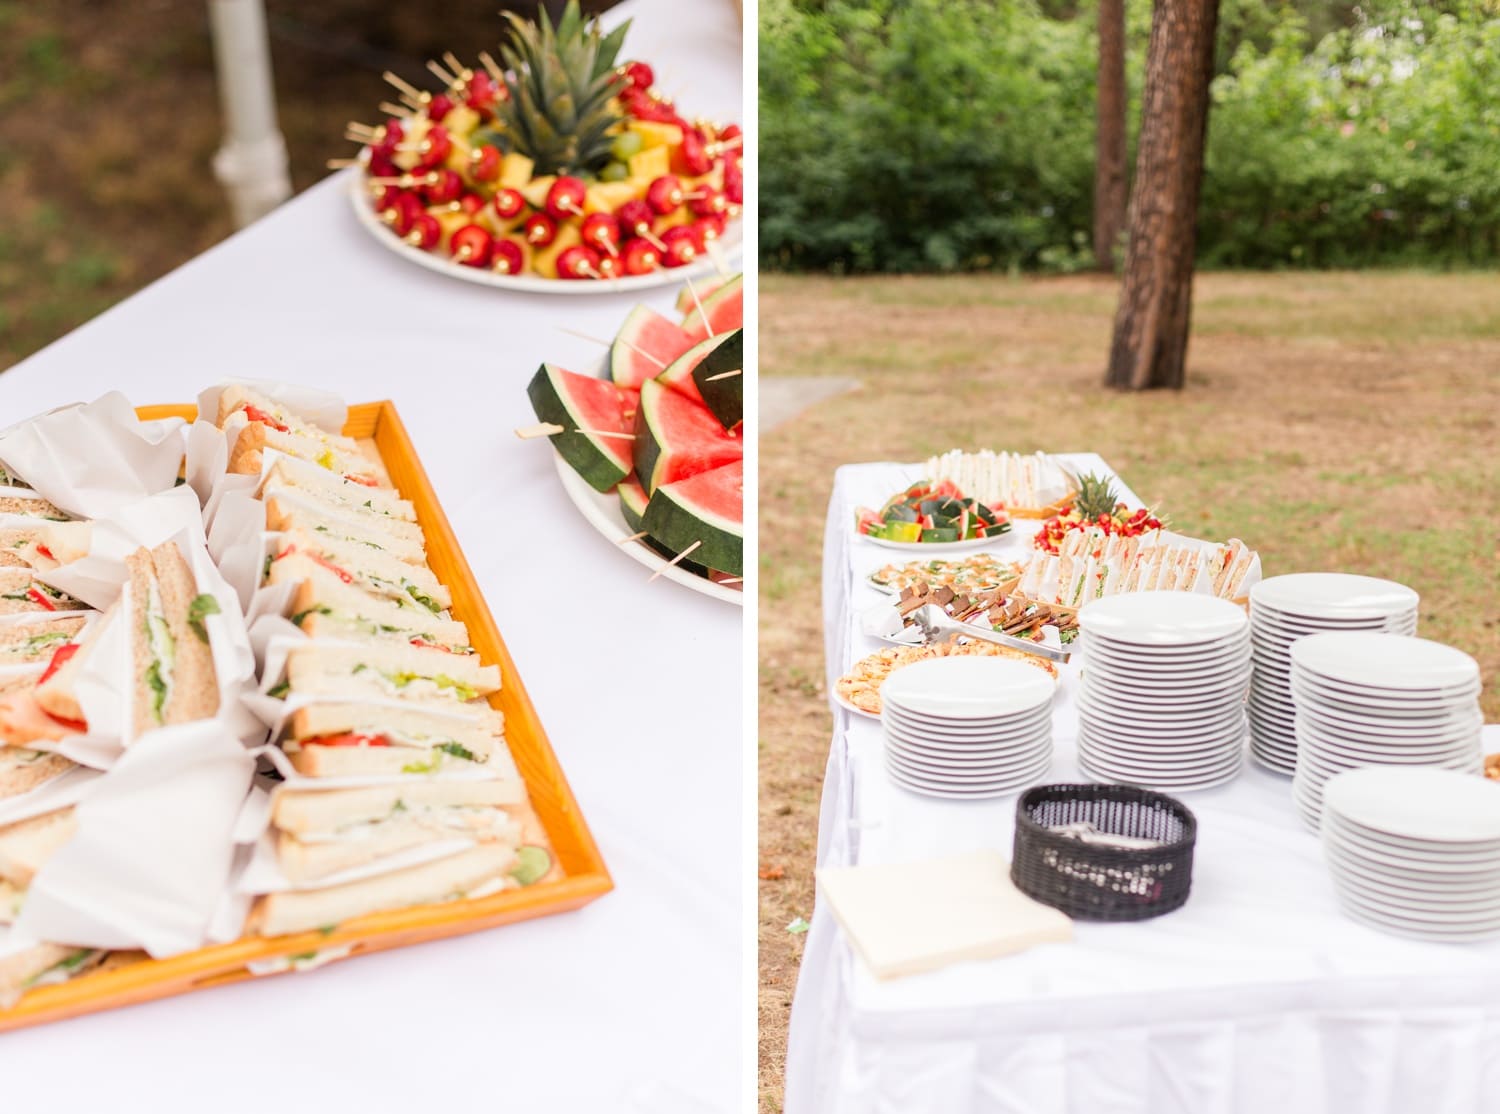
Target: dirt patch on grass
1333,421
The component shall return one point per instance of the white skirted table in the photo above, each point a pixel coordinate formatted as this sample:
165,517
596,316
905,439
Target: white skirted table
634,1003
1259,995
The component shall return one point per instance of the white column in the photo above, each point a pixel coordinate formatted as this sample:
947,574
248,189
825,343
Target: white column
252,163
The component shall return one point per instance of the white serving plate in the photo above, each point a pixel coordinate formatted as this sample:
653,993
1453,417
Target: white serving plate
1127,665
969,688
935,549
729,250
1015,729
1334,595
603,513
1163,619
968,792
919,764
848,707
1161,782
1424,804
1385,661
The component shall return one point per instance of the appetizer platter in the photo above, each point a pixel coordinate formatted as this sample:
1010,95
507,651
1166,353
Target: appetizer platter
931,517
1034,486
312,632
650,449
1093,563
976,573
561,167
858,690
1094,507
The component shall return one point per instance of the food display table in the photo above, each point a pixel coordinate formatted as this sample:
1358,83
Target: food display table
633,1003
1258,995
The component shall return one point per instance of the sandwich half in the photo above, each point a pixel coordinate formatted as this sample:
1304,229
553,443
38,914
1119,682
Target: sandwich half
25,643
21,592
354,671
11,502
370,569
349,739
402,540
326,607
303,478
23,769
43,965
174,679
253,422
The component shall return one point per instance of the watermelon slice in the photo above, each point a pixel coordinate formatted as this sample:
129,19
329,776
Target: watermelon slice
676,437
723,396
580,402
725,309
645,344
679,374
706,508
633,500
704,287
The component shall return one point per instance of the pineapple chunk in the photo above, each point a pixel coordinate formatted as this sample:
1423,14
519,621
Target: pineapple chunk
515,171
606,197
450,220
544,262
650,164
416,131
656,135
491,220
461,120
535,191
679,216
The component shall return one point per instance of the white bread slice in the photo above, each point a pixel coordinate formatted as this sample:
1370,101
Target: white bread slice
349,461
388,669
22,770
378,572
27,844
325,607
37,642
1234,583
325,486
308,861
235,397
16,586
162,591
476,728
307,812
448,879
402,540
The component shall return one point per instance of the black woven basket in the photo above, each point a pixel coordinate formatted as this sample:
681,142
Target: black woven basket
1097,883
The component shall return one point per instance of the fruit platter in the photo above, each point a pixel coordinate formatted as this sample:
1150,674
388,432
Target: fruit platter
558,167
650,448
1095,506
931,517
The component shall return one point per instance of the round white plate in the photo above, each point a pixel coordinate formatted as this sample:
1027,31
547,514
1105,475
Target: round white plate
1233,679
935,548
1272,762
1335,595
1425,804
1164,702
1319,688
1150,726
919,764
960,736
1475,855
1164,652
1399,907
729,250
1163,618
1430,936
1436,868
1385,661
1125,665
1154,781
964,688
1340,719
841,702
1272,620
1478,887
968,793
1210,753
603,513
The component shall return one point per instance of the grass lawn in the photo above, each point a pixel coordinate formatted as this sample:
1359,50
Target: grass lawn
1333,421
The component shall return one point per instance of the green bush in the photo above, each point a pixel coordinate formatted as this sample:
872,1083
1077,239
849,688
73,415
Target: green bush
939,135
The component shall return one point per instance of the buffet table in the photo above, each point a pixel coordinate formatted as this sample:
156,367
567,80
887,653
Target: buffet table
643,704
1258,995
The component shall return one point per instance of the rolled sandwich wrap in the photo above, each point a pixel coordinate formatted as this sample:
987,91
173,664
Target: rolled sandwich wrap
174,677
448,879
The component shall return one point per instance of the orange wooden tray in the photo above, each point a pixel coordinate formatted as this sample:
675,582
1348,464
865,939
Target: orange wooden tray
583,876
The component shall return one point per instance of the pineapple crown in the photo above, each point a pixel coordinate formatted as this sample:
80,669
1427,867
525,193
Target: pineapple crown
1096,496
561,80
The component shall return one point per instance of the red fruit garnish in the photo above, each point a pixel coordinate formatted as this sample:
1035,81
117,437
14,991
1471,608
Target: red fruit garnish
682,248
730,131
609,266
433,150
565,198
601,231
507,257
484,163
664,194
709,203
41,599
540,230
509,204
471,203
640,257
256,414
706,229
60,657
427,643
388,198
425,232
635,218
382,165
391,133
471,245
638,74
404,213
734,185
481,92
442,187
692,155
349,740
578,263
439,107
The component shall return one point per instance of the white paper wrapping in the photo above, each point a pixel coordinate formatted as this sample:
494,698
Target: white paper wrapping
150,861
61,792
126,460
97,577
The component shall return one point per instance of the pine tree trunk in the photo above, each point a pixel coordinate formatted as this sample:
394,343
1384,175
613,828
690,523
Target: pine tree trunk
1152,320
1111,190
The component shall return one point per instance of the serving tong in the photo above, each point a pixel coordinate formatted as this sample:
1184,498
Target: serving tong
935,624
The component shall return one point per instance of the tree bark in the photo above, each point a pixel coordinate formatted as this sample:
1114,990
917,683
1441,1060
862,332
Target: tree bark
1111,191
1154,312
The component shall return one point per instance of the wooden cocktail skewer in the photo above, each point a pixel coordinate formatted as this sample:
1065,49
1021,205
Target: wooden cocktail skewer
632,538
693,290
492,66
400,111
409,92
340,164
460,70
552,429
724,375
607,433
441,74
674,560
731,580
595,340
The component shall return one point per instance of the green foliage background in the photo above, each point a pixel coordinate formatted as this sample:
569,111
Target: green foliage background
942,135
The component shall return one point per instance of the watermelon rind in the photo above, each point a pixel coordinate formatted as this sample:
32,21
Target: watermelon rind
633,500
559,396
724,309
680,514
663,453
645,331
724,398
679,373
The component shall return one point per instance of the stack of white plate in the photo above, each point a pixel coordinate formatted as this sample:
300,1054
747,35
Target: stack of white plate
1161,700
1368,699
1286,608
1416,851
966,727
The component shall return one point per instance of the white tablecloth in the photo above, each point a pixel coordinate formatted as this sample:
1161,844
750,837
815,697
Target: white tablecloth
634,1003
1258,996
